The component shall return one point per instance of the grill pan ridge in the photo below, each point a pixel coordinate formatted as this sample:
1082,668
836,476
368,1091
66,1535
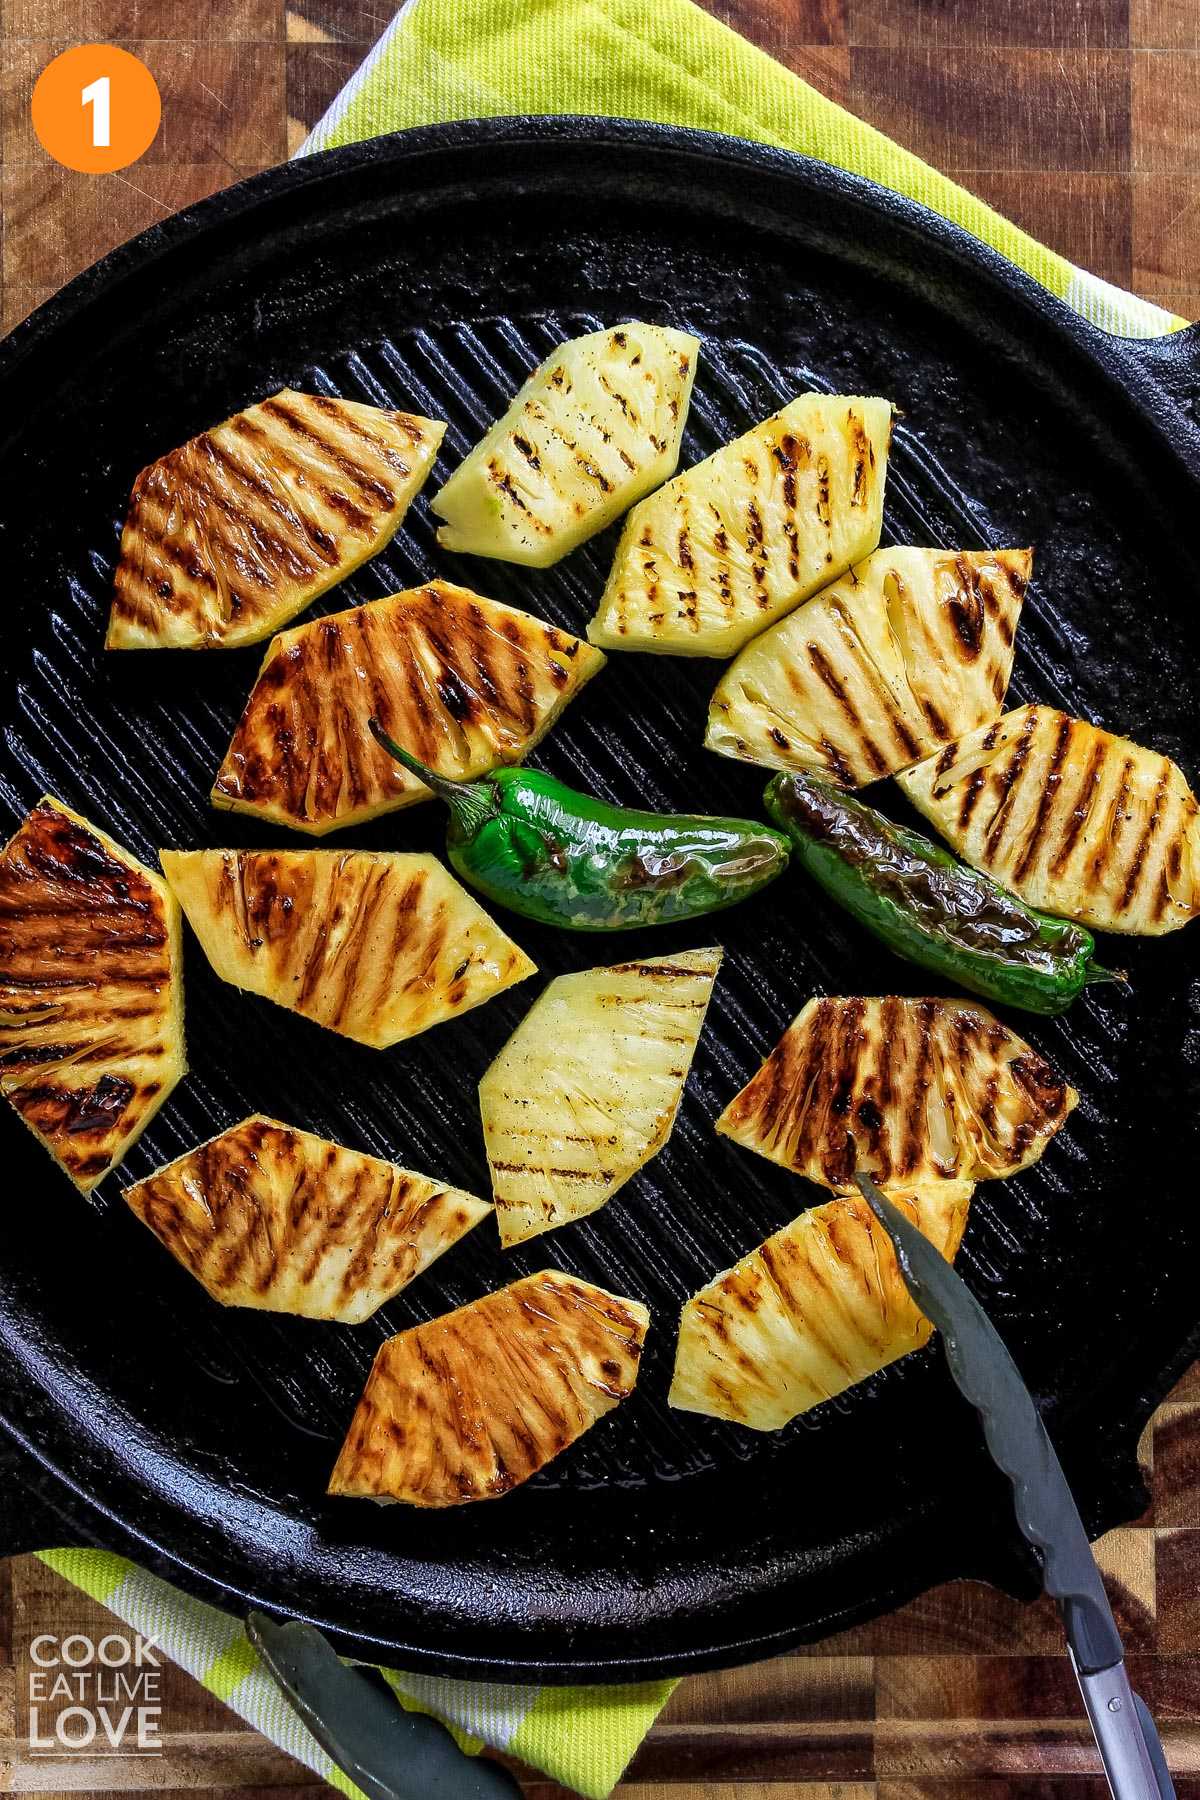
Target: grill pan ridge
431,271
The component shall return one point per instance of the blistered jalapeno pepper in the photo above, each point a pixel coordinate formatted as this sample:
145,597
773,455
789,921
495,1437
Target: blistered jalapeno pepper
564,858
928,907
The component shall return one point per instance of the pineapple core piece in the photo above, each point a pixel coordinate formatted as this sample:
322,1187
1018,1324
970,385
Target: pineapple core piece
1074,820
469,1405
462,682
231,535
586,1089
274,1218
594,428
908,650
91,990
375,945
907,1090
740,539
818,1307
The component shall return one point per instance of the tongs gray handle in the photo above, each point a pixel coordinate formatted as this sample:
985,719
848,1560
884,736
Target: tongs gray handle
1125,1736
388,1753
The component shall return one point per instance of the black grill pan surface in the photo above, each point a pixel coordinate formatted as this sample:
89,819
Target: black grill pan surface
430,271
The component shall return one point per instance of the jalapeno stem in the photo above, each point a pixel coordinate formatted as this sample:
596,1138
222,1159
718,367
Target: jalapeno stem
1098,977
471,802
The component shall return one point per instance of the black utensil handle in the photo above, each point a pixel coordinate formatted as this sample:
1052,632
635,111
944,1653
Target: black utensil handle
389,1753
30,1519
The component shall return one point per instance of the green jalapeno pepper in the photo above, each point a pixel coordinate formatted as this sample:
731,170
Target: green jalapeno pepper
565,858
928,907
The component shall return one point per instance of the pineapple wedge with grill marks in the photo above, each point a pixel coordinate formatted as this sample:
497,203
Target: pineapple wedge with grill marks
595,427
377,946
909,649
740,539
269,1217
232,534
586,1090
91,990
907,1090
821,1305
1072,819
462,682
469,1405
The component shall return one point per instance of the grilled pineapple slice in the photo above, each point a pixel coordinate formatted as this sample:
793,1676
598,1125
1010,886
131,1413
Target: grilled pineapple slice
586,1089
469,1405
908,650
1074,820
816,1308
91,990
231,535
375,945
274,1218
462,682
739,539
594,428
909,1090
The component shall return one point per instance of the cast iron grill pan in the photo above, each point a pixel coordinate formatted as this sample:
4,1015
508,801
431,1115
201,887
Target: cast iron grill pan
431,271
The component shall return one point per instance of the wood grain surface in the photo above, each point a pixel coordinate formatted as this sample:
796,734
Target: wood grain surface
1081,120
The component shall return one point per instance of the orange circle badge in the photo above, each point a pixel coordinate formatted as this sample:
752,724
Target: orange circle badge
96,108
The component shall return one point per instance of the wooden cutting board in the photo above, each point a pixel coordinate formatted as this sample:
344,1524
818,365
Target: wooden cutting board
1081,120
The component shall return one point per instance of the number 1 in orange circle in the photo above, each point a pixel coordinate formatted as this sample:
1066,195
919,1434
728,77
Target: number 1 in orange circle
96,108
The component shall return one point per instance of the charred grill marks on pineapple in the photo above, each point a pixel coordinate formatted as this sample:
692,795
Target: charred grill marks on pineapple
589,433
270,1217
469,1405
309,545
818,1307
90,1027
233,532
1046,799
747,532
367,481
905,651
1077,821
462,682
375,946
586,1090
906,1088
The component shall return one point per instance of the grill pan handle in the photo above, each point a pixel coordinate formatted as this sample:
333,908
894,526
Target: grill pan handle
1173,365
29,1517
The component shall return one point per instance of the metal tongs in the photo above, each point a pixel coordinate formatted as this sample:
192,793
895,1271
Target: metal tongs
388,1753
985,1373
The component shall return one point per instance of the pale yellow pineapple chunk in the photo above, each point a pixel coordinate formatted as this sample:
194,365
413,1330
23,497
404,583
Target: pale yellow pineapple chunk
906,651
1074,820
375,945
274,1218
462,682
818,1307
469,1405
586,1089
595,427
232,534
906,1090
740,539
91,990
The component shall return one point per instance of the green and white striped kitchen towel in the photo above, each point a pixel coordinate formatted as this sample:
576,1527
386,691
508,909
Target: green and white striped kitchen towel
652,59
582,1737
668,61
